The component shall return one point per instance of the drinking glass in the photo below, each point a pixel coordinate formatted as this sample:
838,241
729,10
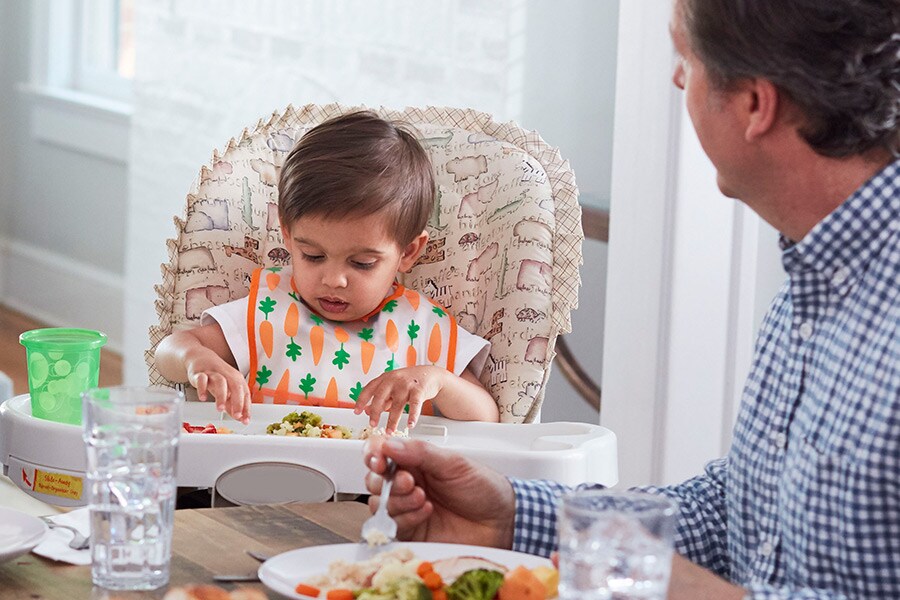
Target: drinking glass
615,545
131,435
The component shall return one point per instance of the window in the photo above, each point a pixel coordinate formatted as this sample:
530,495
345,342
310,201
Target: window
105,49
85,46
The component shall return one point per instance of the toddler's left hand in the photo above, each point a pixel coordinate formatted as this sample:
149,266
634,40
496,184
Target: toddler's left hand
392,391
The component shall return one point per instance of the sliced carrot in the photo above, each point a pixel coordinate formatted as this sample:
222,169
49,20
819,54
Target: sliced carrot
316,342
292,321
272,280
521,584
266,337
338,594
433,581
424,568
367,353
307,590
434,344
438,594
391,335
341,335
411,356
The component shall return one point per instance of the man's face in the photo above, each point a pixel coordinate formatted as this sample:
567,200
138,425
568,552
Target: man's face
711,111
344,268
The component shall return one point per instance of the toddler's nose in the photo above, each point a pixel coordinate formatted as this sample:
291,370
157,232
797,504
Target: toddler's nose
334,279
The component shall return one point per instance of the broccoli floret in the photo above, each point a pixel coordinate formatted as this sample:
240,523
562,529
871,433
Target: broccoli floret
402,589
291,417
477,584
308,418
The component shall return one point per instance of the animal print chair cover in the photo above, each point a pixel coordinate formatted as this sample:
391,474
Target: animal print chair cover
504,249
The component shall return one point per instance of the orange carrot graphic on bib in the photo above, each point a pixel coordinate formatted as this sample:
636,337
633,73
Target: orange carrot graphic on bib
434,344
341,357
291,326
316,339
413,332
392,339
266,331
366,349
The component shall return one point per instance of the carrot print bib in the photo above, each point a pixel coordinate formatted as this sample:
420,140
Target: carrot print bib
297,357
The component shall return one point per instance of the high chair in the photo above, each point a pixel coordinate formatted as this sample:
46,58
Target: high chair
503,254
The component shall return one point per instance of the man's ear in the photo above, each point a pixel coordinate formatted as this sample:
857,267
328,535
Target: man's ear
763,109
412,252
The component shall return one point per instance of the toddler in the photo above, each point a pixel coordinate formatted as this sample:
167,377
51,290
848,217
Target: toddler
335,328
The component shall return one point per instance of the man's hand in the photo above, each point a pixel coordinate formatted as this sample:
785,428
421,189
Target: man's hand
440,496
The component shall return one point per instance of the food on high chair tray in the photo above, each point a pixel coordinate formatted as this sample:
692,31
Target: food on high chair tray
208,428
308,424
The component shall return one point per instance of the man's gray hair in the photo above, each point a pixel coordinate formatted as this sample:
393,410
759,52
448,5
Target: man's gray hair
837,60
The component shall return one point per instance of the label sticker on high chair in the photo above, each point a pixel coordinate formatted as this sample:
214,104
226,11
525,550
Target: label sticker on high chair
65,487
57,484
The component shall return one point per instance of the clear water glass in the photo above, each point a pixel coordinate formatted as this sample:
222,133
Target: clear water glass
615,545
131,436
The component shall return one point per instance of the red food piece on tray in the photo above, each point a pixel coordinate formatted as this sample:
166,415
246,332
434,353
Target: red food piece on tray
208,428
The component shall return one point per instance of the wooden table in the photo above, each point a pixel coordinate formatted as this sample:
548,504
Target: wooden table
206,542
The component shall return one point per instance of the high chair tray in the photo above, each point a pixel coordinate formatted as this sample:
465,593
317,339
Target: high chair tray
47,459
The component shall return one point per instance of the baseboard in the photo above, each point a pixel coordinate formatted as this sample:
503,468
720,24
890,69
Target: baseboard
60,291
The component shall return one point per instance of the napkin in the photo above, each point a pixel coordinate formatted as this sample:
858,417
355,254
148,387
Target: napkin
55,544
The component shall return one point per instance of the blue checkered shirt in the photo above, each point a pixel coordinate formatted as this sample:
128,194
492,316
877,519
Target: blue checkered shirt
807,502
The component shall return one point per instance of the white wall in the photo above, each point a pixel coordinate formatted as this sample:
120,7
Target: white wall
690,274
61,208
247,59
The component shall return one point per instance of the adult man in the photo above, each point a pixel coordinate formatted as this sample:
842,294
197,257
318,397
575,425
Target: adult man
797,104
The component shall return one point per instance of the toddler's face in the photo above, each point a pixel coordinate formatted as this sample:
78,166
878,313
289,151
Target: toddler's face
344,268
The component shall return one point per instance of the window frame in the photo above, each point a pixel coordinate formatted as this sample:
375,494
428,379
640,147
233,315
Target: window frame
60,48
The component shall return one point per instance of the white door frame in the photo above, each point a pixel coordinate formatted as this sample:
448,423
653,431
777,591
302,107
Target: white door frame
682,275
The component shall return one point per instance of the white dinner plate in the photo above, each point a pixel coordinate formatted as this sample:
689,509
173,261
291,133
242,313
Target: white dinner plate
283,572
19,533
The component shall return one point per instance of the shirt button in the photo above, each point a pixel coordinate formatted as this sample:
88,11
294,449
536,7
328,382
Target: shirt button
840,276
766,549
806,330
780,440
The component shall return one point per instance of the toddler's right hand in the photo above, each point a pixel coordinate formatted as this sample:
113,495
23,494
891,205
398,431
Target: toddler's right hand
212,375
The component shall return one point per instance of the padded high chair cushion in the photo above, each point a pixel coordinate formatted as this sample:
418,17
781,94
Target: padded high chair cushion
504,248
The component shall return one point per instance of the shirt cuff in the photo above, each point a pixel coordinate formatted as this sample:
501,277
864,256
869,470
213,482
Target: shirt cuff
536,505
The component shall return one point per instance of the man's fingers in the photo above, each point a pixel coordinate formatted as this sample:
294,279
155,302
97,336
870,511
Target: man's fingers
408,454
403,483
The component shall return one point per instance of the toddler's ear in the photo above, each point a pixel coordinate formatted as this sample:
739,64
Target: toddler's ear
412,251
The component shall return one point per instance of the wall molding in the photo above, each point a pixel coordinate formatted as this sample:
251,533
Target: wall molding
89,124
32,280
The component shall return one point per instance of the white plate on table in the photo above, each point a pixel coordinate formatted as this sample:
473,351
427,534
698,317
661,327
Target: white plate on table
19,533
283,572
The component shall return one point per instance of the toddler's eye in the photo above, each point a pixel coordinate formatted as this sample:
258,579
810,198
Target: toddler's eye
313,257
363,265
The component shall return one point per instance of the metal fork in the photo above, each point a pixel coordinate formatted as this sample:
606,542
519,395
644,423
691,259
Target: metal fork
381,528
78,542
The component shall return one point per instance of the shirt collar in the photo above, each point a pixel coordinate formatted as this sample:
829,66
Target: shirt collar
841,245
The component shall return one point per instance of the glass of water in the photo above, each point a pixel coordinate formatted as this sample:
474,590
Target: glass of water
131,435
615,545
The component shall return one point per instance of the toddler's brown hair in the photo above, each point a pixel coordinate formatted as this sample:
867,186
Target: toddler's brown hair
355,165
